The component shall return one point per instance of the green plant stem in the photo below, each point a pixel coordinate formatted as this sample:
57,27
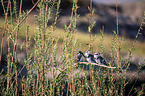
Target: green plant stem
26,15
90,33
118,41
5,24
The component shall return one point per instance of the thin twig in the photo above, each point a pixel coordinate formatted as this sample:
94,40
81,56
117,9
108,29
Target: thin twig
96,64
26,15
136,37
86,64
118,41
4,31
117,18
90,33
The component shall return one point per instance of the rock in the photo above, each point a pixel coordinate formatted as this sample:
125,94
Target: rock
129,18
134,11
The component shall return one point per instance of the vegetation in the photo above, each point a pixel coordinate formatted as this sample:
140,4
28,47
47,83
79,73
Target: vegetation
50,60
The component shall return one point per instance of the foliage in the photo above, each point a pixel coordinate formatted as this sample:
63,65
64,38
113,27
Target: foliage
51,68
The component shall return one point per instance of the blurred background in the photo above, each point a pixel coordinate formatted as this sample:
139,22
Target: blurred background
130,14
113,1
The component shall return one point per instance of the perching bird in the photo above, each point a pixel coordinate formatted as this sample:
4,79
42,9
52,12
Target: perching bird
99,59
80,56
89,57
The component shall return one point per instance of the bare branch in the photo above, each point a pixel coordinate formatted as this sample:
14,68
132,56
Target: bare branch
95,64
86,64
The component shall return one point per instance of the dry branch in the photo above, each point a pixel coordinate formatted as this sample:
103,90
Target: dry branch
86,64
95,64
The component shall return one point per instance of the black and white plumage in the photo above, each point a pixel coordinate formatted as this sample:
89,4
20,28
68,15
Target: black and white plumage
99,59
80,56
89,57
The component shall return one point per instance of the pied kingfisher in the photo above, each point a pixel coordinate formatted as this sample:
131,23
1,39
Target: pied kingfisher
89,57
99,59
80,56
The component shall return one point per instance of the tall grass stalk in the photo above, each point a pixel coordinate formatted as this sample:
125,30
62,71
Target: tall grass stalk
5,26
91,24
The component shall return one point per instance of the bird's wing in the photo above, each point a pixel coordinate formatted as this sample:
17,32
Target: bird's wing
79,57
92,58
102,60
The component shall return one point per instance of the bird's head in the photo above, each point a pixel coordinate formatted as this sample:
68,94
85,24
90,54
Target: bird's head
81,53
96,55
87,53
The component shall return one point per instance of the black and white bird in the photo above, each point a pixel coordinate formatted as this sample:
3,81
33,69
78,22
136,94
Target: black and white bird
89,57
99,59
80,56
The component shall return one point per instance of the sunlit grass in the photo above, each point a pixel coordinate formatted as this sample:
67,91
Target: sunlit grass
83,39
